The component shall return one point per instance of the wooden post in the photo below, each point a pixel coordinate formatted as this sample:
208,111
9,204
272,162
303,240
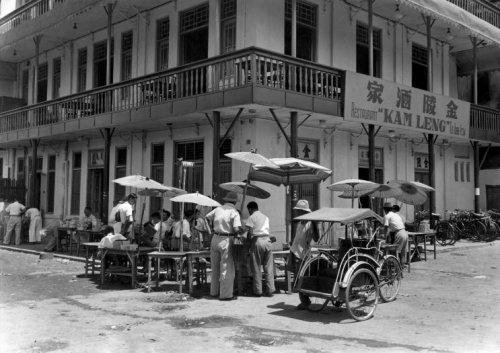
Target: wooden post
428,25
294,27
475,148
293,153
370,37
371,127
474,65
432,174
109,12
34,193
215,154
37,40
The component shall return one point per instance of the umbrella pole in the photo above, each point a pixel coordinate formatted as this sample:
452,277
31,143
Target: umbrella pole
245,190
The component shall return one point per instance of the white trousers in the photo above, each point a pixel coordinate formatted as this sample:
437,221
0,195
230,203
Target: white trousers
221,259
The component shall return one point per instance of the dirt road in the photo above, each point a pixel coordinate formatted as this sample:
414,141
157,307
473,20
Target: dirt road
446,305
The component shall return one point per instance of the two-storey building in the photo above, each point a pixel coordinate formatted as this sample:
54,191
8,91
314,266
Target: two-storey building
94,90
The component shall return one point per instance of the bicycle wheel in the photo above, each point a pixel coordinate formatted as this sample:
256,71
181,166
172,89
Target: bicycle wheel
445,233
481,230
361,294
469,231
389,278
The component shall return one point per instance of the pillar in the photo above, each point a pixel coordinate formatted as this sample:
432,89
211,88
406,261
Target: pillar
432,174
109,12
294,27
215,154
36,40
33,192
371,127
293,153
107,134
475,148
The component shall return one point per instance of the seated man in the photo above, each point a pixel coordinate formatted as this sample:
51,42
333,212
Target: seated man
150,236
181,228
89,221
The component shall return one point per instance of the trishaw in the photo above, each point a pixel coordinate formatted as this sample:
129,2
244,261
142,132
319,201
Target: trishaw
356,273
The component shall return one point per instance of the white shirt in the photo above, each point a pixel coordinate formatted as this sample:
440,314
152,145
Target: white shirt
126,212
303,237
15,209
112,214
259,223
186,231
32,213
225,219
393,221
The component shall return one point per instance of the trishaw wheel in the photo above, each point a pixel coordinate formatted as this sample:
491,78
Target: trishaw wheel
389,278
361,295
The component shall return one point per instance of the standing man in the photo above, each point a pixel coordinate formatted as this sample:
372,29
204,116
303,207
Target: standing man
126,210
226,224
260,250
395,228
35,219
15,210
114,217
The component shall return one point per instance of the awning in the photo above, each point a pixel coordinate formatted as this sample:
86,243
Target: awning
341,215
458,17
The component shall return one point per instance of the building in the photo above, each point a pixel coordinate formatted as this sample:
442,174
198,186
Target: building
139,85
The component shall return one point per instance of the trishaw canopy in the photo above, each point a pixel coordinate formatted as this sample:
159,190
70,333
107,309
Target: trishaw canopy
341,215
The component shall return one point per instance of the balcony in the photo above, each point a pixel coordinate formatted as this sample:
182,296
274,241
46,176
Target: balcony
249,76
26,13
481,9
484,124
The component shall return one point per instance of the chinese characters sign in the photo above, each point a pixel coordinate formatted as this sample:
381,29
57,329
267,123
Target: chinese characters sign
421,161
372,100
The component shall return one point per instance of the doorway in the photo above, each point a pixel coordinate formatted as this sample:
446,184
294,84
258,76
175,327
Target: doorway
95,182
493,197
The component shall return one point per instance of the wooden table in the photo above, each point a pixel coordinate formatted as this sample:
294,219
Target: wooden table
132,256
288,276
91,236
178,257
416,238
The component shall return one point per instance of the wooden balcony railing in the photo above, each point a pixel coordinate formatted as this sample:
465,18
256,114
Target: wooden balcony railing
481,9
26,13
484,123
250,66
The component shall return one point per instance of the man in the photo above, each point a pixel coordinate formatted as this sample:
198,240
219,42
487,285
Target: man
395,228
260,250
126,211
114,217
15,211
89,221
150,235
35,219
306,232
226,224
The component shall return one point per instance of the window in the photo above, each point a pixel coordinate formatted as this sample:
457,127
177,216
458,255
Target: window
467,171
456,171
120,171
157,172
75,183
483,93
228,26
126,59
225,162
308,150
56,78
24,92
20,169
42,83
419,65
100,63
193,34
307,14
162,36
362,50
462,176
82,70
51,183
191,151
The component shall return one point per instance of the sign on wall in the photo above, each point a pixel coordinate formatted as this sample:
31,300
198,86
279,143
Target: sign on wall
363,157
421,161
380,102
308,150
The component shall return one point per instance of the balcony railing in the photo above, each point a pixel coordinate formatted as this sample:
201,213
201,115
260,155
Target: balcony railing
246,67
26,13
485,123
481,9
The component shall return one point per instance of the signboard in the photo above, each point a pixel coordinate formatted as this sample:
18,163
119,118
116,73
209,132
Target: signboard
308,150
421,161
96,159
380,102
363,157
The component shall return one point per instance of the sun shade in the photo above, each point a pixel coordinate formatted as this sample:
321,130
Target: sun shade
342,215
459,17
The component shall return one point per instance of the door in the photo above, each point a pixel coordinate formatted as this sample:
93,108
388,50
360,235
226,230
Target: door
493,197
95,183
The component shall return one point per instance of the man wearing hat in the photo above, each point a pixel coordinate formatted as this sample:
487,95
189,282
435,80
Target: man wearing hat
126,212
395,227
306,232
226,223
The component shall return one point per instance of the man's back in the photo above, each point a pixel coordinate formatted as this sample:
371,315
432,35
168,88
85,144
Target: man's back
225,219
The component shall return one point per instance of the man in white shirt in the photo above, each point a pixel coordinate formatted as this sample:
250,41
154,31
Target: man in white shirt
112,219
126,210
394,226
89,221
260,250
226,223
15,211
35,218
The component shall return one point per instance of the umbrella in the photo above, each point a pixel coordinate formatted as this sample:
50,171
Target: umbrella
251,158
289,171
251,190
383,191
140,182
196,198
171,192
411,193
353,187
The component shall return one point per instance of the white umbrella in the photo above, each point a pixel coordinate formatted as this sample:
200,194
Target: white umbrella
170,192
196,198
251,158
383,191
140,182
242,187
411,193
353,187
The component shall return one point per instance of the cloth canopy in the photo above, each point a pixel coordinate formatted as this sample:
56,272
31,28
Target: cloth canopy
456,16
342,215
